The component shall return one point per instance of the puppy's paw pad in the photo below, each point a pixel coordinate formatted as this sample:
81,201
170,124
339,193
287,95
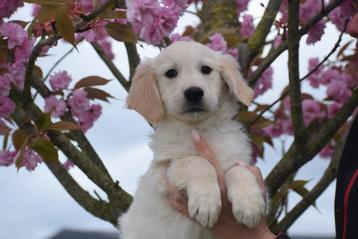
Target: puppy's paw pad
205,208
249,208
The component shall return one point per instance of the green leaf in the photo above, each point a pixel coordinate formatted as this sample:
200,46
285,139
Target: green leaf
109,13
48,3
65,27
47,14
44,121
93,93
91,81
64,125
45,149
19,137
121,32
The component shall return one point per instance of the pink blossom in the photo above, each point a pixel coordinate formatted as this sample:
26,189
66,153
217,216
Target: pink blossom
15,34
8,7
241,5
87,118
55,106
264,82
180,3
234,52
86,5
97,32
277,41
316,32
7,157
107,48
341,14
4,86
311,111
309,9
217,43
330,75
68,164
60,80
273,131
36,8
30,159
315,78
79,102
284,11
16,74
338,91
6,106
247,27
333,109
151,21
327,151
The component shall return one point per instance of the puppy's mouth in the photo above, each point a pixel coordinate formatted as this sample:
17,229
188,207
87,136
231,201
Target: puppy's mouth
192,110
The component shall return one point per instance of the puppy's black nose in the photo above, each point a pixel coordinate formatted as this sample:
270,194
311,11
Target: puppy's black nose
193,94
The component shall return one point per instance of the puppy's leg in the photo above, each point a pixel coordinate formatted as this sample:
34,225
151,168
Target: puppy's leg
198,177
245,195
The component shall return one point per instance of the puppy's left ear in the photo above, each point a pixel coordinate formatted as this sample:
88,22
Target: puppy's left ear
230,71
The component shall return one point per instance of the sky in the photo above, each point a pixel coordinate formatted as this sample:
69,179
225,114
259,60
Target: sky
35,206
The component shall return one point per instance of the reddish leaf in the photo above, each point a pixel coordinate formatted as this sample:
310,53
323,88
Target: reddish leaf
4,129
19,137
47,14
65,27
91,81
93,93
120,32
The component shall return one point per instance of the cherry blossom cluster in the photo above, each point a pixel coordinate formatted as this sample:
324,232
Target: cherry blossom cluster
309,9
153,20
76,100
338,85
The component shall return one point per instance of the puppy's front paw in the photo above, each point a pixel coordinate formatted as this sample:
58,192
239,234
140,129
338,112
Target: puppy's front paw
248,207
205,206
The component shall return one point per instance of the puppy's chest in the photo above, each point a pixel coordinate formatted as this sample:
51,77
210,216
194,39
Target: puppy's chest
227,140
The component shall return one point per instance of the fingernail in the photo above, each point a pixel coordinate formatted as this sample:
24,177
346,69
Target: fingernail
195,135
240,163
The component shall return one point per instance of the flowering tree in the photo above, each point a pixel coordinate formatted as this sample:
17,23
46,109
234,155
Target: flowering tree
33,133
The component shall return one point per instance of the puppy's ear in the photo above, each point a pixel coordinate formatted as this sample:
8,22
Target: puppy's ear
144,94
231,75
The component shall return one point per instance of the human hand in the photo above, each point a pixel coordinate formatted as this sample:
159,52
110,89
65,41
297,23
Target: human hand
226,226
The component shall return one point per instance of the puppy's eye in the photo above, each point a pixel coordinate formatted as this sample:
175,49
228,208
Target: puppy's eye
171,73
206,70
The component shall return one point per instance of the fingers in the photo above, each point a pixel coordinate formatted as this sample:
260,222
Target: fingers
202,147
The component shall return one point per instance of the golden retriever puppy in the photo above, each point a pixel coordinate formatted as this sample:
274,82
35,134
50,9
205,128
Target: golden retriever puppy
189,86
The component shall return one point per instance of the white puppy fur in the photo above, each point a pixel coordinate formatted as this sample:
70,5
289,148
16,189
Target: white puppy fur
159,96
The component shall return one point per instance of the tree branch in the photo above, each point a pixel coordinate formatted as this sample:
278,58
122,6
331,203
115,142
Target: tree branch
294,76
284,45
257,40
290,163
133,58
309,199
97,208
112,67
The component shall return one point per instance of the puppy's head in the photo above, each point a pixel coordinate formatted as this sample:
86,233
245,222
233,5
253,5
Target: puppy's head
186,81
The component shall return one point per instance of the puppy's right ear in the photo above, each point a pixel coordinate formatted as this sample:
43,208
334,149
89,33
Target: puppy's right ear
144,94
